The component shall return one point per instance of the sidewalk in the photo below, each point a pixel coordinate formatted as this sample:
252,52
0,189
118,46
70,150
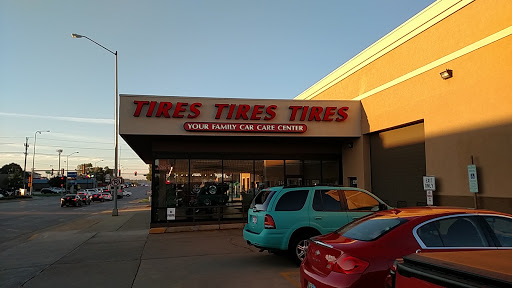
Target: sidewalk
106,251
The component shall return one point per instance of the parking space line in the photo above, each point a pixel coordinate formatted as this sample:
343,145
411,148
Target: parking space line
292,277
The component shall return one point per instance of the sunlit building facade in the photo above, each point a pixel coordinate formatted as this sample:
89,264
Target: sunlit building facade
431,98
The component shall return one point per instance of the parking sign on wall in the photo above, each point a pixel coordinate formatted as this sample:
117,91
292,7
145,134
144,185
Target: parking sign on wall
429,183
473,179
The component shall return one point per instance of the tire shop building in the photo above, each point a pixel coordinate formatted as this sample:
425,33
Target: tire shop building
431,98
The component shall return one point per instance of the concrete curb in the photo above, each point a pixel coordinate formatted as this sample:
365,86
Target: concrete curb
161,230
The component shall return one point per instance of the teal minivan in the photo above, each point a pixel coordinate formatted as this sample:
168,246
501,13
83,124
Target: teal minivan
284,218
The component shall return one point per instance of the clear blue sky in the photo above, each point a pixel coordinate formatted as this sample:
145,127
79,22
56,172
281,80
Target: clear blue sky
268,49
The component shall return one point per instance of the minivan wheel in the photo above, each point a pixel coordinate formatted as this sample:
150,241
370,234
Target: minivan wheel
298,247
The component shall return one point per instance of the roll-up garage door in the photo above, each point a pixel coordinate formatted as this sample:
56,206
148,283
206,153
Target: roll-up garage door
398,165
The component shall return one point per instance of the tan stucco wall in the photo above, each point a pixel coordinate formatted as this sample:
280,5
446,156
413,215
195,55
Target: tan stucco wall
467,115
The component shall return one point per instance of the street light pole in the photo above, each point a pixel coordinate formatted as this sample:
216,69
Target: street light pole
114,196
33,160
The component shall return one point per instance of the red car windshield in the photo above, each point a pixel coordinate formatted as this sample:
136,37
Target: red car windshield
370,228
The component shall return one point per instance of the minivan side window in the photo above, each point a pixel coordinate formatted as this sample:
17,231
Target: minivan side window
260,202
292,201
327,200
360,201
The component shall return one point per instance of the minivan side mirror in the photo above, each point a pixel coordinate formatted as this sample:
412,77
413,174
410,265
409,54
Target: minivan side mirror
383,206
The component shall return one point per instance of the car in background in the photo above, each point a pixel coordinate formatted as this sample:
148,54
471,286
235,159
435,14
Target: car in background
106,196
284,218
127,193
91,190
110,189
85,196
70,200
361,253
6,193
97,196
52,190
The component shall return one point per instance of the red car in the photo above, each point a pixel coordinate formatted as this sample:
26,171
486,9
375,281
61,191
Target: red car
361,253
489,268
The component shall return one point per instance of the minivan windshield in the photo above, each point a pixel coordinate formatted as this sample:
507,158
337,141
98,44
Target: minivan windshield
260,202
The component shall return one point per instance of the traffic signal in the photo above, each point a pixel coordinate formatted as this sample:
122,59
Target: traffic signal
135,173
52,171
62,172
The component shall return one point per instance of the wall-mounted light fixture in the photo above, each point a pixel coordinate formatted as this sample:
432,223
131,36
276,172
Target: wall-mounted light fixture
446,74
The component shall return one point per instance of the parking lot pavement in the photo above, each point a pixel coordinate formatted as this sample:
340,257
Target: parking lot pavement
96,251
119,252
217,258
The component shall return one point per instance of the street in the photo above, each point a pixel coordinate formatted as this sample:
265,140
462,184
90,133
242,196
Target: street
20,218
88,247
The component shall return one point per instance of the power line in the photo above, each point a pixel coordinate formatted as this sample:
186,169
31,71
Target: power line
68,147
78,141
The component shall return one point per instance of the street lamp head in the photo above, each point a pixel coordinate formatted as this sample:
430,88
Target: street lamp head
76,35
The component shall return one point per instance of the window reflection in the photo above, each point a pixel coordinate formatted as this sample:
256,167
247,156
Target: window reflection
215,189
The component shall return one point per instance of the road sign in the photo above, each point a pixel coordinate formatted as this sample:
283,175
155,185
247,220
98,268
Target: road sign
171,213
430,200
107,178
429,183
473,179
72,174
116,181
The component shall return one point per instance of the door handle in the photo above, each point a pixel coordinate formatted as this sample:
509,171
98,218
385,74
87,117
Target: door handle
318,218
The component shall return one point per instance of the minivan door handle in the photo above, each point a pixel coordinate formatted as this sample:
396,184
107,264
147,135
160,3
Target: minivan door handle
318,218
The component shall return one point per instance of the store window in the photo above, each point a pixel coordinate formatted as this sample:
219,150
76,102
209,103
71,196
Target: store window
312,172
330,172
293,170
239,175
273,172
215,189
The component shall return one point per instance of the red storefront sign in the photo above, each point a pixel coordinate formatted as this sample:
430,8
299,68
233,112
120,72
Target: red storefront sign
240,112
244,127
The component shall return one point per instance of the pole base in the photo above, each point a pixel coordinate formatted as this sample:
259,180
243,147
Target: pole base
114,212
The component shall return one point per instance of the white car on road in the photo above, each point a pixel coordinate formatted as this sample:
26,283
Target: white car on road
107,196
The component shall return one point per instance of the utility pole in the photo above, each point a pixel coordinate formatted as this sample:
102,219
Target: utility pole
25,166
59,151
